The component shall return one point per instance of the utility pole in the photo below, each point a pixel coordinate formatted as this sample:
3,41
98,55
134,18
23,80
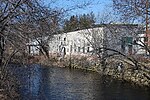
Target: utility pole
147,3
147,22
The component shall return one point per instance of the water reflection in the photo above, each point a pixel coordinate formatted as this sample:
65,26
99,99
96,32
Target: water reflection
39,83
30,81
34,80
67,84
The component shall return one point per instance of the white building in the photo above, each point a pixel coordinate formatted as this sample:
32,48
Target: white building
140,49
76,42
119,37
33,47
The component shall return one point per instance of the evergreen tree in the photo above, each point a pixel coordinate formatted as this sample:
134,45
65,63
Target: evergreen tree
87,20
79,22
74,23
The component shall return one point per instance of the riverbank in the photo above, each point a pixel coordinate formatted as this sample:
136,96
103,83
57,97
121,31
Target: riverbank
121,68
40,82
116,68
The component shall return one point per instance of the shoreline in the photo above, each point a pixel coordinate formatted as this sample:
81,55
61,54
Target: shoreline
127,73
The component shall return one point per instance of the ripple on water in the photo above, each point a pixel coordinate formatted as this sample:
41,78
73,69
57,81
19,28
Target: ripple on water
43,83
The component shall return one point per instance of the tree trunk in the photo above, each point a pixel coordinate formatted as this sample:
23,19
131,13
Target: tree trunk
2,44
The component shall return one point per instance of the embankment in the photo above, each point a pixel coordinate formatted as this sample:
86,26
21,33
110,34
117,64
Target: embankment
120,69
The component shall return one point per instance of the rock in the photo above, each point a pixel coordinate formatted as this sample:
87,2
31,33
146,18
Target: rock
142,80
133,79
146,83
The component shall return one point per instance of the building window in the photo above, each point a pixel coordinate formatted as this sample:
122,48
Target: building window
64,39
145,39
88,44
123,44
67,49
127,40
83,49
74,49
78,49
88,49
70,48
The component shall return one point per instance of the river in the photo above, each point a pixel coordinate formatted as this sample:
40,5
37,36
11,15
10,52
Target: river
53,83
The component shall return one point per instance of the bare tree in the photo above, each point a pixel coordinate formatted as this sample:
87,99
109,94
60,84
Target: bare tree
110,39
135,11
132,10
22,21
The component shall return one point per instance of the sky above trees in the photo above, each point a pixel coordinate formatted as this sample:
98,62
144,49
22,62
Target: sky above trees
95,6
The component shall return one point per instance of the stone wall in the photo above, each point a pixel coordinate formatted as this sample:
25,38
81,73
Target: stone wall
127,72
120,69
114,67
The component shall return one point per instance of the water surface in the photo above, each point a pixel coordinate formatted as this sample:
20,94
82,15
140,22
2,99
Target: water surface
52,83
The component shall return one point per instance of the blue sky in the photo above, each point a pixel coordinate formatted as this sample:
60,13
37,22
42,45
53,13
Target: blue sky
97,6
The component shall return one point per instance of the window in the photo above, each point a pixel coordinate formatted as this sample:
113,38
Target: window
123,48
78,49
88,44
145,39
83,49
74,49
67,49
127,40
88,49
70,48
64,39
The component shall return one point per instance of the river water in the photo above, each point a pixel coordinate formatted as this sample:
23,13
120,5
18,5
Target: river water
52,83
